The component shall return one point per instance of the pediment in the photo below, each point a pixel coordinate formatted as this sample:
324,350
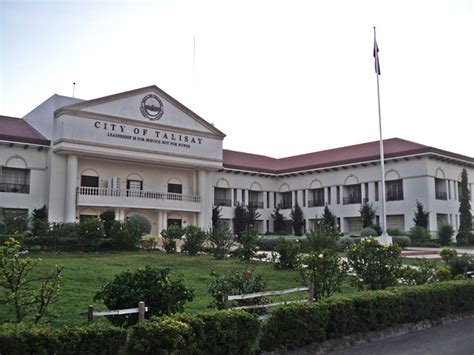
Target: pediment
149,105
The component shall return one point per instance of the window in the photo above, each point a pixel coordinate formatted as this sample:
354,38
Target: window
268,200
175,188
134,188
329,195
366,191
14,180
352,194
254,197
222,197
441,192
338,195
243,196
394,190
317,196
304,198
89,181
12,212
175,222
235,197
376,190
285,202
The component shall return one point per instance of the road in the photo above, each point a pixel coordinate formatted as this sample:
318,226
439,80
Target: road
455,338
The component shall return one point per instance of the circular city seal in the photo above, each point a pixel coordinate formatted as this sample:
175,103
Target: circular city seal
152,107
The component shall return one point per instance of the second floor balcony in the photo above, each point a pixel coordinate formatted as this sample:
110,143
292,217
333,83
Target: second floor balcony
256,204
14,188
315,203
222,202
99,196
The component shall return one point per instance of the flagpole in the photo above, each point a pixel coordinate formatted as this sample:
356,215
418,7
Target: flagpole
385,238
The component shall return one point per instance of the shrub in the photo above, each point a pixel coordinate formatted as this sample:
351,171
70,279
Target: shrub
322,237
15,224
216,332
39,221
267,244
194,239
170,235
141,223
297,219
221,239
107,217
236,283
401,241
248,245
125,235
368,232
90,232
345,242
448,255
463,238
325,271
394,232
278,221
149,243
296,325
97,338
240,219
421,216
367,213
424,272
445,234
154,286
376,266
419,235
287,254
456,264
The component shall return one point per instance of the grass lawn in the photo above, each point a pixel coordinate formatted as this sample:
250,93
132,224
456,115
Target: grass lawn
84,274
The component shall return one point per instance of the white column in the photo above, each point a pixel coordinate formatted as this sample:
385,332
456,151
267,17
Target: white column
71,182
202,223
246,197
165,219
159,223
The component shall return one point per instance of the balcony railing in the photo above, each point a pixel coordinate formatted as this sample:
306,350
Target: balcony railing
256,204
394,197
315,203
284,205
106,192
350,200
15,188
222,202
441,195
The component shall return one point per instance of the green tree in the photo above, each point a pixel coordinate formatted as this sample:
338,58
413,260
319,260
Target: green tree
30,293
248,244
194,239
421,216
252,215
221,239
297,219
171,234
216,215
39,221
328,218
322,237
445,233
465,215
240,219
107,217
278,221
367,212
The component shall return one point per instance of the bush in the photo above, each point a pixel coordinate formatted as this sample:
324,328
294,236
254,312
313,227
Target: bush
325,271
424,272
394,232
345,243
286,256
149,243
97,338
267,244
154,286
217,332
368,232
448,255
248,244
445,234
401,241
376,266
171,234
419,235
296,325
15,224
90,232
236,283
125,235
463,238
39,221
141,223
194,239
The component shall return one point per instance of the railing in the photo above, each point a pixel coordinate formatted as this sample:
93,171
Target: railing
315,203
256,204
394,197
104,191
441,195
222,202
351,200
284,205
141,309
15,188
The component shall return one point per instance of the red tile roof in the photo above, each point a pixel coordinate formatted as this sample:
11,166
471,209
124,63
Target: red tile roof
359,153
17,130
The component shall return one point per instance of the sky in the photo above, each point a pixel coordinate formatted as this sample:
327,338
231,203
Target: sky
280,78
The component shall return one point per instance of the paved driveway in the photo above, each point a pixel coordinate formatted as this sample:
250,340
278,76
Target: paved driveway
455,338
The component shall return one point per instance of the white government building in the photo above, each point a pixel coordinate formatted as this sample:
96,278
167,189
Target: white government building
142,152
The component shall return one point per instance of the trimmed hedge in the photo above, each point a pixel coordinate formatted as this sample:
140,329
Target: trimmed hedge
215,332
300,324
91,339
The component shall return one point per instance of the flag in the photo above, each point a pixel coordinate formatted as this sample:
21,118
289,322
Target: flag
376,56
